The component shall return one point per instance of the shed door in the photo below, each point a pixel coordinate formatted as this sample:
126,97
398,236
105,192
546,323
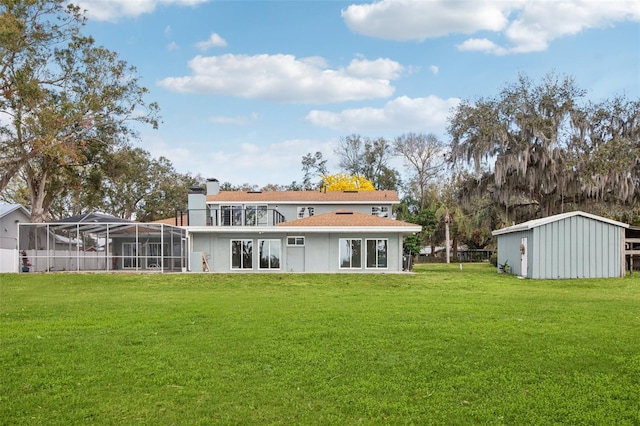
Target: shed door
524,264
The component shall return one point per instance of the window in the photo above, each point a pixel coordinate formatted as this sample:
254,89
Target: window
350,253
256,216
380,211
377,253
269,254
241,254
129,255
231,215
295,241
305,212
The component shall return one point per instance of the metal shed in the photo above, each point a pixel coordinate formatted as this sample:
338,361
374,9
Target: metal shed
568,245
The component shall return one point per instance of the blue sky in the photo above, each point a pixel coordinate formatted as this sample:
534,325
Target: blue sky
246,88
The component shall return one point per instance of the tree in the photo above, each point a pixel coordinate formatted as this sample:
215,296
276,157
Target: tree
68,102
129,184
424,156
350,152
360,156
345,182
542,148
606,151
313,166
412,244
227,186
428,220
377,155
550,151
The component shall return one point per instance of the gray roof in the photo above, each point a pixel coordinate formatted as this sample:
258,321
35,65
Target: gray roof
94,218
5,209
549,219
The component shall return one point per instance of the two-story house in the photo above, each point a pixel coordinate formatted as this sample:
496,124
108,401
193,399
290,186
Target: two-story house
294,231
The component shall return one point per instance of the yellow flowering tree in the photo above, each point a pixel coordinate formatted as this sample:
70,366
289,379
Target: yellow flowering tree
346,182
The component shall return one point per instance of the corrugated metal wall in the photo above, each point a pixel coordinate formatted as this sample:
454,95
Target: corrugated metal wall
509,250
576,247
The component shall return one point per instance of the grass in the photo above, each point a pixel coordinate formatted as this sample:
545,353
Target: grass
442,346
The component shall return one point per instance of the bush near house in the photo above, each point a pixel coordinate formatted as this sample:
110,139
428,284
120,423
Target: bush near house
442,346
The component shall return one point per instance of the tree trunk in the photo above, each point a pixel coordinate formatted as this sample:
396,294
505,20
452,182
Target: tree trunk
38,194
446,237
454,243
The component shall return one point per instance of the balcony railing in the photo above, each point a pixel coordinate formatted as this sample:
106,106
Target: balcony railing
236,216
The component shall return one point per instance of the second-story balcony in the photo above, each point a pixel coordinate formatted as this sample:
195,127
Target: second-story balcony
239,216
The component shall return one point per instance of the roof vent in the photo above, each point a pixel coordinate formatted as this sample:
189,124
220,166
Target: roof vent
350,191
344,212
254,192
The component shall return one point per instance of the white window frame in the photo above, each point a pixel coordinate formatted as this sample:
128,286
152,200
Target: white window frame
233,210
242,266
261,216
295,241
380,211
350,247
305,211
377,259
269,245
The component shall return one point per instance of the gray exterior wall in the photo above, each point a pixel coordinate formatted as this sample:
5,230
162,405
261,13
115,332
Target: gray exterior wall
509,251
9,230
575,247
197,209
320,254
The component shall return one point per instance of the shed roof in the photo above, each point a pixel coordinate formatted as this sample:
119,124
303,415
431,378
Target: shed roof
549,219
284,197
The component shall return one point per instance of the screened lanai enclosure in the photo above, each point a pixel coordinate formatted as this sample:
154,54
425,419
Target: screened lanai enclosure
101,243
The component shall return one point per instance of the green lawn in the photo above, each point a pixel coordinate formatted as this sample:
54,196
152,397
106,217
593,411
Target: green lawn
442,346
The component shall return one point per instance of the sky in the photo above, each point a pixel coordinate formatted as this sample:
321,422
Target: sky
247,88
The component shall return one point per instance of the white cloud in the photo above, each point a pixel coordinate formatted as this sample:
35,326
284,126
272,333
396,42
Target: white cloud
402,114
434,69
278,162
482,45
214,41
284,78
419,19
112,10
380,68
315,61
524,25
173,46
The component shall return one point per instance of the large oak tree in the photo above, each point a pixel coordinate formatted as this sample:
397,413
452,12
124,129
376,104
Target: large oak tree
540,144
66,104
